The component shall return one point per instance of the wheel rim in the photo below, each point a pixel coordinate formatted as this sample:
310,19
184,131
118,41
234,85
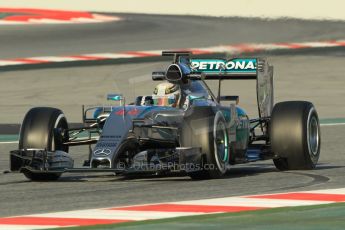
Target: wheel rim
313,136
60,123
221,146
221,142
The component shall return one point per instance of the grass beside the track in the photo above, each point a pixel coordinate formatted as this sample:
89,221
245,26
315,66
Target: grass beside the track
4,15
7,138
318,217
324,121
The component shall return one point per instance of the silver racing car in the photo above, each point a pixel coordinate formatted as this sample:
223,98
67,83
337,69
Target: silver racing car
181,127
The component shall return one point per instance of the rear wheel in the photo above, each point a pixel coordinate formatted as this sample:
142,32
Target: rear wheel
295,135
37,132
206,129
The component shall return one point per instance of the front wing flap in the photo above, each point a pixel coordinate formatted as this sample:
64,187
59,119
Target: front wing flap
42,161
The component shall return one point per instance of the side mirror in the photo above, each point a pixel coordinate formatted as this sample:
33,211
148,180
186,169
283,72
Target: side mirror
115,97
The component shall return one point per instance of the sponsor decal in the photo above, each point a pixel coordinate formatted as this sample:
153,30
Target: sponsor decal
106,145
121,112
238,65
111,136
102,152
131,112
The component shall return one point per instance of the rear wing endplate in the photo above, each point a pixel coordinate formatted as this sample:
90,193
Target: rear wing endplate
264,88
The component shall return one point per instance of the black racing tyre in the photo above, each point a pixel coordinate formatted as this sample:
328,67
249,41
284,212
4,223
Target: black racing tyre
295,135
207,129
37,132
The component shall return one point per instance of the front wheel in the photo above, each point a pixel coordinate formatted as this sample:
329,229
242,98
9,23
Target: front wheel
295,135
37,132
207,129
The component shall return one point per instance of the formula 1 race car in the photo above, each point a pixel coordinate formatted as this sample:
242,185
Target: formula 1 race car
181,127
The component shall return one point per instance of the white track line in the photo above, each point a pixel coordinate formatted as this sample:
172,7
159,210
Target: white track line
25,227
327,191
175,209
9,142
115,214
253,202
231,49
332,124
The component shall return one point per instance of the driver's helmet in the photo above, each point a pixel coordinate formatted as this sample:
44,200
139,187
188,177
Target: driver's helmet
166,94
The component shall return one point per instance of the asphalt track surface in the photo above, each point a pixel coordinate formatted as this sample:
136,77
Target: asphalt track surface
296,77
83,191
155,32
317,77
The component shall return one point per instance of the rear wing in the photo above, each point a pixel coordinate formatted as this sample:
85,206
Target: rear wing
239,69
219,69
183,68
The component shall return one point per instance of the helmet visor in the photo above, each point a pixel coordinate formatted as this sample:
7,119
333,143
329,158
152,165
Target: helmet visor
164,100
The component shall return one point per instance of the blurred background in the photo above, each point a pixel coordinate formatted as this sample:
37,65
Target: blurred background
34,33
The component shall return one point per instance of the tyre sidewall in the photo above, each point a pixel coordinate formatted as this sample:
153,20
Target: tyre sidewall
37,132
310,158
198,130
221,165
289,135
41,121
